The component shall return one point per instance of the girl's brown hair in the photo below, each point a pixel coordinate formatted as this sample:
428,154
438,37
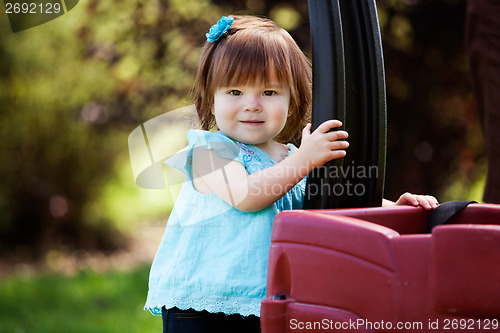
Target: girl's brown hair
252,49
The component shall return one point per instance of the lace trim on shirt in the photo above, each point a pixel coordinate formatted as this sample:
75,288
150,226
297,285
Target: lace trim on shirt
236,305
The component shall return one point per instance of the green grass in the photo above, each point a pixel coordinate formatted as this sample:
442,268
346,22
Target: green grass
88,302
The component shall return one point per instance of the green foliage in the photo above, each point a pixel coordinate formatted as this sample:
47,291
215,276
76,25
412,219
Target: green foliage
123,204
87,302
71,91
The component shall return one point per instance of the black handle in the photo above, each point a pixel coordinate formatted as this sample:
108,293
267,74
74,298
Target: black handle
349,85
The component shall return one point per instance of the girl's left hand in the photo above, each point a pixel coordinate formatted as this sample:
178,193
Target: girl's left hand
426,201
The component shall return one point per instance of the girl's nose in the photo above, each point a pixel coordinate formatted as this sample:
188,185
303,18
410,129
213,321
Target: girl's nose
253,104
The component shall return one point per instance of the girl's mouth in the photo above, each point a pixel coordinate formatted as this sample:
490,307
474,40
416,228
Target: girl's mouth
252,122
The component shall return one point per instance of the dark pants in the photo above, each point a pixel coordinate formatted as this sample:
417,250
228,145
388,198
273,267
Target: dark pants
483,49
191,321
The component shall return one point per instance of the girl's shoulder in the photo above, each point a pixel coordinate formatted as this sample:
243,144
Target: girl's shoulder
252,157
200,139
224,146
217,141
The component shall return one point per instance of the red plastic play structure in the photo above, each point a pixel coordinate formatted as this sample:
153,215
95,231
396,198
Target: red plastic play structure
375,270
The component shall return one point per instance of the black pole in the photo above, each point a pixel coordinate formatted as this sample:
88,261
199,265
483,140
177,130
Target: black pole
349,85
328,89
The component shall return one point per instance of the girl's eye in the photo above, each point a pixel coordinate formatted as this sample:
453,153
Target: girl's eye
235,92
269,93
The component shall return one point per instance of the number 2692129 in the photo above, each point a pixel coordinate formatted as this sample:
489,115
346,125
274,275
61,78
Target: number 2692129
32,8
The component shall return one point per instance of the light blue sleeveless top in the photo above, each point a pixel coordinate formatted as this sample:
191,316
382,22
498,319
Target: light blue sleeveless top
212,256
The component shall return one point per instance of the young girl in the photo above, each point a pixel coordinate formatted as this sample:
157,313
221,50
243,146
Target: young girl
254,85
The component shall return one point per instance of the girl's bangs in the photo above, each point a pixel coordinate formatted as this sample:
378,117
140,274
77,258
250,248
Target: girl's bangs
251,64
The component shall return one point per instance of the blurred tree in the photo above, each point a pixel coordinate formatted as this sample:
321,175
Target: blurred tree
71,91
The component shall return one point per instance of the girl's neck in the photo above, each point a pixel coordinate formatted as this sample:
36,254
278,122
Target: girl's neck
277,151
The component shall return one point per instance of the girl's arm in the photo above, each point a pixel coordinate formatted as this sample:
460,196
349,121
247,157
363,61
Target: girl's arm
232,183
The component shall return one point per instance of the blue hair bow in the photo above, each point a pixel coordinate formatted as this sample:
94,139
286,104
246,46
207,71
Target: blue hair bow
219,29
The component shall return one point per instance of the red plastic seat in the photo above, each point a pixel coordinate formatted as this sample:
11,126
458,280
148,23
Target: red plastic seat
373,270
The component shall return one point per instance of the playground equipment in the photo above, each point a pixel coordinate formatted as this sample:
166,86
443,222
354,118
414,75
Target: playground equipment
376,270
339,267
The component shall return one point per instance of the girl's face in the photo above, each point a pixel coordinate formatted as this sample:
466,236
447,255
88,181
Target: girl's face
252,114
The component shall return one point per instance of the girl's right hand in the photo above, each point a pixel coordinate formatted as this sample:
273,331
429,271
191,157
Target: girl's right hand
323,145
